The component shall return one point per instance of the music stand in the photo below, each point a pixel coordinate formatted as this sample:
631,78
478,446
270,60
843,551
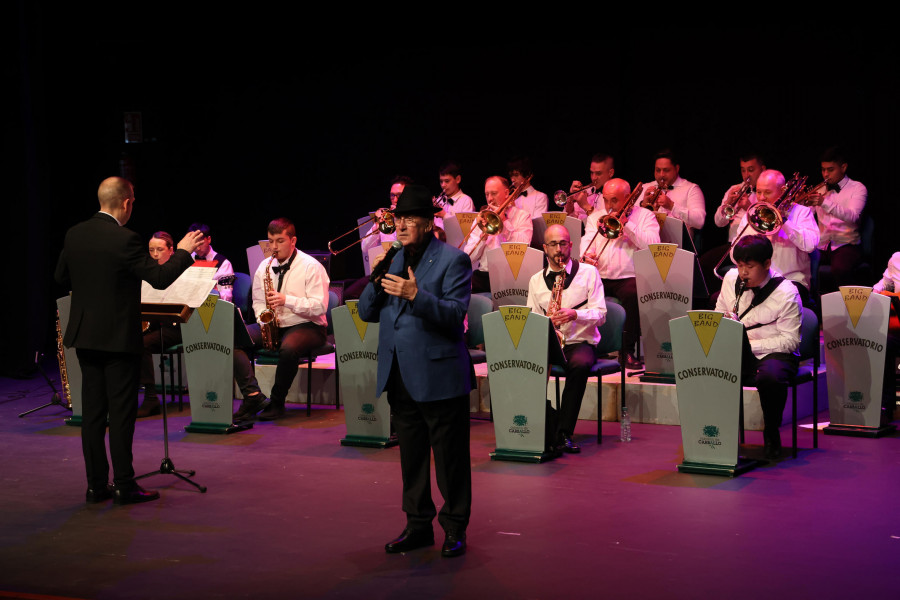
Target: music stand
56,399
168,314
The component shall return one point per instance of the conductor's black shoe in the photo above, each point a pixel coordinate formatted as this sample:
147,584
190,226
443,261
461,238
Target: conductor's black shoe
410,539
454,545
570,446
98,494
134,495
273,412
249,407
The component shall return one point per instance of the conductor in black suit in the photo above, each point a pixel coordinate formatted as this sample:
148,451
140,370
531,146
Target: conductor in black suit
103,264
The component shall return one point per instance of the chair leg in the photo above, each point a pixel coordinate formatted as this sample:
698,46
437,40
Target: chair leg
337,385
794,421
557,394
309,362
741,414
816,406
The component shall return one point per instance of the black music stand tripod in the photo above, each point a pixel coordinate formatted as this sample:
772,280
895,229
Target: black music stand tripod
168,314
56,399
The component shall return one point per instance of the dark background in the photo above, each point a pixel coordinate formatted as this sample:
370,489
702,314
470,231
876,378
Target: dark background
312,122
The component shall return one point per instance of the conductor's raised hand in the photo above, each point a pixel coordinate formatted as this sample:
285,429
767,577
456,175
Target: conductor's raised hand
191,241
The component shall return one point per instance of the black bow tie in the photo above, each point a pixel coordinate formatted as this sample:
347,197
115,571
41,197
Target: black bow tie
281,268
833,187
550,278
667,187
524,193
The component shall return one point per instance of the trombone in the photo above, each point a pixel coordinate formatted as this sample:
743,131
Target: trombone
385,225
610,225
493,221
561,197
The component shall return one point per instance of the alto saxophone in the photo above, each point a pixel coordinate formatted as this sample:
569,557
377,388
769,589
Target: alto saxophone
556,303
61,359
268,322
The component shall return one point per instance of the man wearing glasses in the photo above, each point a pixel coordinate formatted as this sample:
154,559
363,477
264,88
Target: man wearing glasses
424,367
581,311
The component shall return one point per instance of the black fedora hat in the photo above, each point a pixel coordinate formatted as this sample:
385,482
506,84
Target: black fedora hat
416,200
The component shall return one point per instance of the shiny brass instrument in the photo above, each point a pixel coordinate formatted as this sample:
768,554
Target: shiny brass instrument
560,197
268,321
493,220
385,223
650,200
556,303
63,372
610,225
728,209
766,218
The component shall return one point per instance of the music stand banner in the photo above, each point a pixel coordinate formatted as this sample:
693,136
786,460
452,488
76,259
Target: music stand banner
208,341
573,225
373,253
664,276
707,352
73,367
516,347
457,227
855,325
368,417
510,267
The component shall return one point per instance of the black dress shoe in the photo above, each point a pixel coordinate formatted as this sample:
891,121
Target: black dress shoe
98,494
134,495
410,539
273,412
633,362
148,408
249,407
454,545
570,446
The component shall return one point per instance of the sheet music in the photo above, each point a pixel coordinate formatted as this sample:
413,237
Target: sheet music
192,288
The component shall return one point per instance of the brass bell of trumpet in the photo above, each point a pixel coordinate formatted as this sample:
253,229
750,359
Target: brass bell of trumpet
561,197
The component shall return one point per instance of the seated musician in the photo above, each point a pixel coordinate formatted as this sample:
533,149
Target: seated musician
679,197
769,307
530,200
581,311
295,286
797,237
452,199
890,284
517,227
615,264
581,204
161,248
223,265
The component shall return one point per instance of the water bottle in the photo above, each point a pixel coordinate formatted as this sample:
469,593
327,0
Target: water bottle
625,434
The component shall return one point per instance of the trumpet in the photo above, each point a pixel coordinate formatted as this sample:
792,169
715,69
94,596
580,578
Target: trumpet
766,218
561,197
385,225
491,222
728,209
649,201
610,225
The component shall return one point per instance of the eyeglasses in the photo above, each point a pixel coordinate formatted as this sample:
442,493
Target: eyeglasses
408,220
393,196
563,244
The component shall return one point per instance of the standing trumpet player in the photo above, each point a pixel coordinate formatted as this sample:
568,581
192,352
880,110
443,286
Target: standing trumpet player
615,263
679,197
582,309
299,298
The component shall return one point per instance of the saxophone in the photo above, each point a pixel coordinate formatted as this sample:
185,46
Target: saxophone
556,303
61,359
268,322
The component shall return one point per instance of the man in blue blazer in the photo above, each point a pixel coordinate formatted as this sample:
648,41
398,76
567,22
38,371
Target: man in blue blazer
424,366
103,263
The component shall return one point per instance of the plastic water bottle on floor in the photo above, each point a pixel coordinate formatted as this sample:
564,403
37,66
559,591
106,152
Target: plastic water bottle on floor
625,434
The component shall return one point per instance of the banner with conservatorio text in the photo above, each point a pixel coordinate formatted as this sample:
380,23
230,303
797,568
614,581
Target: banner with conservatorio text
510,267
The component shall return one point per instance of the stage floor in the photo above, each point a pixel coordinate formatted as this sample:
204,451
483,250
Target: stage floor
292,514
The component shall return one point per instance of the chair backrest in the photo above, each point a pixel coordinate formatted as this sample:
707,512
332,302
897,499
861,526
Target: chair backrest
333,302
611,331
241,294
809,334
866,234
478,306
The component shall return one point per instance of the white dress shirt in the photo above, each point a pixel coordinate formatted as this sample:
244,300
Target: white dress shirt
594,200
461,203
533,202
616,261
689,205
792,244
586,291
779,315
892,273
839,214
734,224
375,239
517,227
305,285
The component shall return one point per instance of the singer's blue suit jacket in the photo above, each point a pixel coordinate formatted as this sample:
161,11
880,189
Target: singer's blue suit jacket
425,335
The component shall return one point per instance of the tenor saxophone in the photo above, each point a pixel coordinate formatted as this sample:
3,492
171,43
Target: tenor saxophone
61,359
268,321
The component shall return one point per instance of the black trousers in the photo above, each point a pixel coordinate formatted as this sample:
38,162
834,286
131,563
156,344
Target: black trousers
109,387
296,342
625,290
170,336
844,262
442,427
771,375
579,360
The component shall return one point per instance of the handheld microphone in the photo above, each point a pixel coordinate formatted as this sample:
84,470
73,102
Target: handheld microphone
381,268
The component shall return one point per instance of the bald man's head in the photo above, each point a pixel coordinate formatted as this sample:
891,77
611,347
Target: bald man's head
557,246
556,232
769,186
116,197
615,192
